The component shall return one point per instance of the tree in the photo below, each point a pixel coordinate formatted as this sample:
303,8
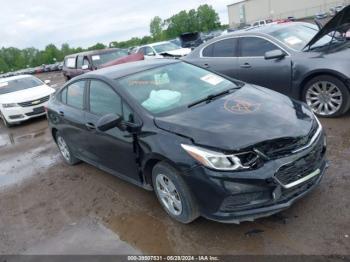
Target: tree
97,46
208,19
156,28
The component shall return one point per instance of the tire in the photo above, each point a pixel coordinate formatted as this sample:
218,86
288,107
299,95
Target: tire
65,151
327,95
7,124
180,192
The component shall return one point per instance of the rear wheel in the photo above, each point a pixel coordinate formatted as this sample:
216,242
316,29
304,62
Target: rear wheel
173,193
66,153
327,96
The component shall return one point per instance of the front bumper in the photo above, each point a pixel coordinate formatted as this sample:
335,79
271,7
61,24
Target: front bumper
19,114
247,195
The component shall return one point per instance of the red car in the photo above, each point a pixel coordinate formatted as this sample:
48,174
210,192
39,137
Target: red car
77,64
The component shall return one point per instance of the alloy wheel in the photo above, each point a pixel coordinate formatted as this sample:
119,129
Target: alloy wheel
168,194
62,145
324,97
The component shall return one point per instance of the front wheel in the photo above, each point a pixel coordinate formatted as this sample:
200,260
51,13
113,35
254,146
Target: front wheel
173,193
66,153
327,96
7,124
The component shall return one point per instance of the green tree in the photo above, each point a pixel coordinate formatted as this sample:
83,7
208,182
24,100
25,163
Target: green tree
208,19
97,46
156,28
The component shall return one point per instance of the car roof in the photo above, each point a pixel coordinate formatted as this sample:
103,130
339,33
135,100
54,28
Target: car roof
93,52
121,70
266,29
6,79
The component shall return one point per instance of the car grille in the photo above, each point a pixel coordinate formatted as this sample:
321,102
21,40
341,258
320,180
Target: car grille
302,167
35,102
285,146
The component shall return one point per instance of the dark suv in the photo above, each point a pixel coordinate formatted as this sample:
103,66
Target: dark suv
80,63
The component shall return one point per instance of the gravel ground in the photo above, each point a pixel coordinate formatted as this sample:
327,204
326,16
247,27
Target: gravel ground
48,207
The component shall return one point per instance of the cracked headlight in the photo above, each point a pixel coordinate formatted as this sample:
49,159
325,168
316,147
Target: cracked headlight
9,105
221,161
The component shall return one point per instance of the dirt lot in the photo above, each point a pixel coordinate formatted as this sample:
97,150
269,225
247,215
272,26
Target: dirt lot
47,207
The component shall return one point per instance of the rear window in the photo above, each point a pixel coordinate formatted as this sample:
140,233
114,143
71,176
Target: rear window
19,84
223,48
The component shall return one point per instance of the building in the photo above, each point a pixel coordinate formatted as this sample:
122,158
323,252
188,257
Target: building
248,11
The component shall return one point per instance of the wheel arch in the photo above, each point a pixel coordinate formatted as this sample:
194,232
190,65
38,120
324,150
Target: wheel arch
321,72
150,162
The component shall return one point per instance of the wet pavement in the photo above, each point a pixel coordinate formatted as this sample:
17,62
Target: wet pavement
47,207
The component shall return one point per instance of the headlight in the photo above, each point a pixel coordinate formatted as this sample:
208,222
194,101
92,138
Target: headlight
220,161
9,105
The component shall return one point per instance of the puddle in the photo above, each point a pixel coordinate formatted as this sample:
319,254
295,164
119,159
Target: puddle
143,231
86,237
25,164
12,139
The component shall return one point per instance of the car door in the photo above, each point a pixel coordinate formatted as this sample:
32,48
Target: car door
113,149
221,56
254,68
70,113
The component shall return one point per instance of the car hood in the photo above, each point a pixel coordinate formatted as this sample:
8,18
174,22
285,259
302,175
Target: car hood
246,117
26,94
340,22
177,52
124,59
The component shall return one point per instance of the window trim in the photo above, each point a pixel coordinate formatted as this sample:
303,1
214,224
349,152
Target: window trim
240,36
84,95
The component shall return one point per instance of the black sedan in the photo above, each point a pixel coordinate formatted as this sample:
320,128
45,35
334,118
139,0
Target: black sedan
293,58
206,144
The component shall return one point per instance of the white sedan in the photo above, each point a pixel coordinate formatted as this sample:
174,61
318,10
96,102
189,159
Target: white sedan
23,97
162,49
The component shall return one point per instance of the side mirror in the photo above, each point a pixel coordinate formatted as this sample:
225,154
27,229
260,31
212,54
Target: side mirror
110,121
275,54
85,67
47,82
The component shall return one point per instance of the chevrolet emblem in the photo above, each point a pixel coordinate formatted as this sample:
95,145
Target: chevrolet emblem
36,102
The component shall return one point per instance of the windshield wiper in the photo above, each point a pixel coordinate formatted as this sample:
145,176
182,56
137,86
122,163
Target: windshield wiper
210,98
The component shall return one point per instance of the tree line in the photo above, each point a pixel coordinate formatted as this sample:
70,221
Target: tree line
202,19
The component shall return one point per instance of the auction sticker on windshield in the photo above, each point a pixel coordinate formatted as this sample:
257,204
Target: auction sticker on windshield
95,57
212,79
293,40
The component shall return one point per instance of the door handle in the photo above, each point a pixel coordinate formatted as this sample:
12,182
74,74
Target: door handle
206,66
246,65
90,126
60,113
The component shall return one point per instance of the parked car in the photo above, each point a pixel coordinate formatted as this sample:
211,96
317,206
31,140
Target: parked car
321,15
206,144
262,22
292,58
335,10
23,97
162,49
190,39
80,63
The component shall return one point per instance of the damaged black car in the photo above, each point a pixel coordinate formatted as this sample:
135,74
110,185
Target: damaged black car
206,144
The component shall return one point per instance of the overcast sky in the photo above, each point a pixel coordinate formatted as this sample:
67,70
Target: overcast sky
83,23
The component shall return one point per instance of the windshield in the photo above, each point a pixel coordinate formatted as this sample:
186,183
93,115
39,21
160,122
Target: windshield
173,86
19,84
161,48
103,58
298,36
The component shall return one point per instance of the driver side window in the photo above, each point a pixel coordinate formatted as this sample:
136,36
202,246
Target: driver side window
103,99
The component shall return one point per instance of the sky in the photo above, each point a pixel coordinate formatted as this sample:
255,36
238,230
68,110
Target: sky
37,23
